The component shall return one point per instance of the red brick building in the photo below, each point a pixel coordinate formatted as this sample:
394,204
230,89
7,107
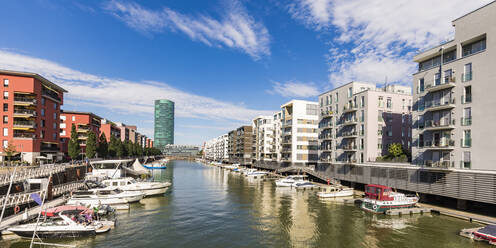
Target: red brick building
85,122
30,115
110,129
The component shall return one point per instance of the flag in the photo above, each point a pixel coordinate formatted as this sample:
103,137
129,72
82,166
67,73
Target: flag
36,197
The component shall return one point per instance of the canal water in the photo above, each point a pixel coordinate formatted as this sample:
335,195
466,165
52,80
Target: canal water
211,207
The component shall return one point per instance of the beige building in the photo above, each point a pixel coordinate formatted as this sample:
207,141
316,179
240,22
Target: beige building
454,110
299,123
359,121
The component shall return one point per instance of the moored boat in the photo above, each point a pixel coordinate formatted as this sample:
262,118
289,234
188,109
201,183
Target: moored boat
334,192
380,198
487,233
289,181
130,184
303,185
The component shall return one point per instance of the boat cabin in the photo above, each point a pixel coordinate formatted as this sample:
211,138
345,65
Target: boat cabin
378,192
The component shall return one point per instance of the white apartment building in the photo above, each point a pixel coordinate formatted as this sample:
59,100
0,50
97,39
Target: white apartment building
263,133
277,137
454,111
216,149
358,121
299,133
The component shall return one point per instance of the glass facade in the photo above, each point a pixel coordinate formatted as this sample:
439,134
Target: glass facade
164,123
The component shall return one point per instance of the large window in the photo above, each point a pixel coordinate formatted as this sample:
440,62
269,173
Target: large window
466,160
474,47
467,75
5,83
421,86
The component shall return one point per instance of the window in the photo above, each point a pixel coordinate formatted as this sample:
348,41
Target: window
362,115
421,104
467,94
62,118
62,133
5,131
330,99
467,138
5,119
467,117
5,95
42,112
362,101
437,79
350,92
42,134
73,118
337,97
381,102
42,123
321,102
54,125
467,75
5,83
55,116
5,107
55,106
42,101
421,85
389,103
466,161
474,47
54,136
381,119
448,76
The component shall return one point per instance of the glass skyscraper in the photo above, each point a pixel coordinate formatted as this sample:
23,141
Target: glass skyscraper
164,123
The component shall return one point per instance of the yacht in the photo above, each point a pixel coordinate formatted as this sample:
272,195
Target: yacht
131,185
100,194
256,173
303,185
291,180
62,227
380,198
336,192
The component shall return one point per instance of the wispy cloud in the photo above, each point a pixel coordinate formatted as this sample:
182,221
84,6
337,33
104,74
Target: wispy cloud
130,97
378,38
294,89
236,29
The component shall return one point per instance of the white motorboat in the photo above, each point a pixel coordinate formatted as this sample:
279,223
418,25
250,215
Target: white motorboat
303,185
106,194
62,227
256,173
231,167
334,192
289,181
131,185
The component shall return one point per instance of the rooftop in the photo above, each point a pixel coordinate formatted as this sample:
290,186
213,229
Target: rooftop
33,75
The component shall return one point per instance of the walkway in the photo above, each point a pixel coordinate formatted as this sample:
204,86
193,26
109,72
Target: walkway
461,214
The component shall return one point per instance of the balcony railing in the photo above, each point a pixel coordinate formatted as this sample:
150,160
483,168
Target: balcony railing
24,100
439,103
443,143
51,94
466,121
24,112
28,124
25,135
350,121
326,113
467,77
439,85
349,134
349,147
438,124
439,164
350,107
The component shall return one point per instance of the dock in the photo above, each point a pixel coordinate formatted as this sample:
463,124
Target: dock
407,211
464,215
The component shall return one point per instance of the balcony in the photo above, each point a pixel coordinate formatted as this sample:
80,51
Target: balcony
439,164
326,126
24,124
350,122
350,148
24,134
81,129
349,108
50,94
326,137
326,114
443,144
467,77
347,161
24,113
440,105
288,133
352,134
448,82
326,148
431,125
24,101
326,160
466,121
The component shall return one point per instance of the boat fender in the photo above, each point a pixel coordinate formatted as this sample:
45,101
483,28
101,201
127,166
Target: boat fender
17,209
374,207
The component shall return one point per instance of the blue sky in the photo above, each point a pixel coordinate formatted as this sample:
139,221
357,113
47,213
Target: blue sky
222,62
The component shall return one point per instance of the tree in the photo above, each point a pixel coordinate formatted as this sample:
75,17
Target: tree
113,146
121,149
103,146
138,149
129,148
10,150
74,147
91,145
395,150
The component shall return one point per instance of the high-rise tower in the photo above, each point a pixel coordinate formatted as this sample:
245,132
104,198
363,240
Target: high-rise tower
164,123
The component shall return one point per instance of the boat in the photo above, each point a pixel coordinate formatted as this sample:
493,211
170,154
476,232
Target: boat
303,185
289,181
336,192
380,198
130,184
157,165
256,173
231,167
107,195
67,209
62,227
487,233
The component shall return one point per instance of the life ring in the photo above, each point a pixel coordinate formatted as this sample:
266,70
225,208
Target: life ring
17,209
374,207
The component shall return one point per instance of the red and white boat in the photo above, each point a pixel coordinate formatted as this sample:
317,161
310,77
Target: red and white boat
380,198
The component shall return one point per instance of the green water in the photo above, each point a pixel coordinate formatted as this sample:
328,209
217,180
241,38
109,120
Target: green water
209,207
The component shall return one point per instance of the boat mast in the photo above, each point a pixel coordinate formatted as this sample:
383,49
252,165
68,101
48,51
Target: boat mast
8,192
41,209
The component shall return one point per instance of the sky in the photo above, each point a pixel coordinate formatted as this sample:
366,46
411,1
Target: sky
223,62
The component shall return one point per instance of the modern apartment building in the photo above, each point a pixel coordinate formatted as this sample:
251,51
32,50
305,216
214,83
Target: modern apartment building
263,136
110,129
125,131
84,122
299,123
240,145
31,113
216,149
277,137
359,121
454,111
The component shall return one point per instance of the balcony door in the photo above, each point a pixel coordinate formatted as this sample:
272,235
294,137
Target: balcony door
437,139
445,118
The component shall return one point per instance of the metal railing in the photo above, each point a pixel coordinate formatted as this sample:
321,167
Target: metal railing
439,164
25,112
440,144
25,100
438,103
431,123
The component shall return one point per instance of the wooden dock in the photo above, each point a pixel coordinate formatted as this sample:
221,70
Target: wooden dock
407,211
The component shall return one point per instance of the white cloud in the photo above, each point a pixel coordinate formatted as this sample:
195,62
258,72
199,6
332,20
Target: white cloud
378,38
125,96
236,29
294,89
